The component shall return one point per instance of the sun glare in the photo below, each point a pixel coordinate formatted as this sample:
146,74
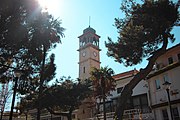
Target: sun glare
49,5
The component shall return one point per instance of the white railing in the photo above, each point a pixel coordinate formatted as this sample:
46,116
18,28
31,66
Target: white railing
131,114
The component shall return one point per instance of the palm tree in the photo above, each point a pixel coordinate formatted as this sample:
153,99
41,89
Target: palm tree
46,32
103,83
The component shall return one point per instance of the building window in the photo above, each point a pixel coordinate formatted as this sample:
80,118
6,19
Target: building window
136,103
166,78
141,102
178,56
175,113
119,90
84,70
144,104
170,60
129,104
157,82
165,114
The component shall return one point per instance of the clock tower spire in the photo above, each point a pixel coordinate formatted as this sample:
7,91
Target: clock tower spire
88,52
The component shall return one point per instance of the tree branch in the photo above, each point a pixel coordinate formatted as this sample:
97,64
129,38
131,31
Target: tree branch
128,89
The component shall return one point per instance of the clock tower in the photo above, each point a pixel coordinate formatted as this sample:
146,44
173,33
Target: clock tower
88,52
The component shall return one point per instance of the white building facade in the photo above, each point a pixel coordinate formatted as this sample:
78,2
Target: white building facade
137,106
166,70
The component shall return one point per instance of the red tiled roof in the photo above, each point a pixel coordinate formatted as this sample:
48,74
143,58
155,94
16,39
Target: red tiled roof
125,74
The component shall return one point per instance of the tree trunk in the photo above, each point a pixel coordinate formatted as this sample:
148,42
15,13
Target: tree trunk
41,84
104,107
14,98
69,117
38,113
26,116
127,91
2,111
103,85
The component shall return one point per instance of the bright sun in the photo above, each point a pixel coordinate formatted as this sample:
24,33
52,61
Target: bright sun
49,5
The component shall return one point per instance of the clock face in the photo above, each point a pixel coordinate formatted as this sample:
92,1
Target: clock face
84,54
94,53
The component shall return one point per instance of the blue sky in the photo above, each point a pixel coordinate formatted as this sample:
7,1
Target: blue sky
75,18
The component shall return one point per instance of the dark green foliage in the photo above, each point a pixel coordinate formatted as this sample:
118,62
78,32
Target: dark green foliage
143,31
14,15
29,81
102,78
28,102
24,32
46,31
65,95
50,69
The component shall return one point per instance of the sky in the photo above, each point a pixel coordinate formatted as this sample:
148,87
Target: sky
74,15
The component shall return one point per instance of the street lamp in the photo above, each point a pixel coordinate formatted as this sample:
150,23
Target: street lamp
17,74
167,87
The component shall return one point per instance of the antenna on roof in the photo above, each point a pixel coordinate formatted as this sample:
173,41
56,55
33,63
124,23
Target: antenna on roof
89,20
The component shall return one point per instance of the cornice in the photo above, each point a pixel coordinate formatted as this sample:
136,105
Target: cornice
165,104
89,45
164,69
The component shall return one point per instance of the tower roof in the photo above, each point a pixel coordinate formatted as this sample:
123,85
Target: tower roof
89,29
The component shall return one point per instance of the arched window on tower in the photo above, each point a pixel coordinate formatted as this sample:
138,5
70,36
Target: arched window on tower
94,41
80,43
91,40
83,43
